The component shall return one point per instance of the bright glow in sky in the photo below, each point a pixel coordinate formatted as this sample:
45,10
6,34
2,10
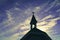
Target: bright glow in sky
15,16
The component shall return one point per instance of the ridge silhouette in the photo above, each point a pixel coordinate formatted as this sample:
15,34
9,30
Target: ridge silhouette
34,33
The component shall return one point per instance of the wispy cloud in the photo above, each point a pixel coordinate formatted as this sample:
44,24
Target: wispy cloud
18,29
58,10
30,10
45,25
47,17
50,6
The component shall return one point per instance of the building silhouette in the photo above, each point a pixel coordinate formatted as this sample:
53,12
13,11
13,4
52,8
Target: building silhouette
34,33
33,21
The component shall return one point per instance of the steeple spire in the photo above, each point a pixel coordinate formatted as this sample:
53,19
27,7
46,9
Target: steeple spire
33,13
33,21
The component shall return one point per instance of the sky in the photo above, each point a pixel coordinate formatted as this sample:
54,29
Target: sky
15,17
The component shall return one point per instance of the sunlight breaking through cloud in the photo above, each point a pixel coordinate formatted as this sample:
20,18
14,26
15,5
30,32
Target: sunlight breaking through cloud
43,24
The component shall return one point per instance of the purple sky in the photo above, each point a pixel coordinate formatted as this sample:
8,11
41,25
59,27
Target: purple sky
16,14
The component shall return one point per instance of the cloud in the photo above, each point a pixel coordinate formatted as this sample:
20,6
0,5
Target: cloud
58,10
13,37
8,21
9,17
50,6
30,10
47,17
17,4
43,24
37,9
18,30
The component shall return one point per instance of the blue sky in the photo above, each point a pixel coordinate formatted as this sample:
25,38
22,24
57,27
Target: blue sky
15,16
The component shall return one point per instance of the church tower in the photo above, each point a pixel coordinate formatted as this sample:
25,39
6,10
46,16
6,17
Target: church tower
33,21
34,33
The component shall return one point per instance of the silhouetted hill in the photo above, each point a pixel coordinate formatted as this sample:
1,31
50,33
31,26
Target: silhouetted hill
36,34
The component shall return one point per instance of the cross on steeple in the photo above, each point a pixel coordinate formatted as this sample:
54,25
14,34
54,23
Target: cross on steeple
33,13
33,21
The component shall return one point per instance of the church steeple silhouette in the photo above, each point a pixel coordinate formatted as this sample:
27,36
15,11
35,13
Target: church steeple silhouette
33,21
34,33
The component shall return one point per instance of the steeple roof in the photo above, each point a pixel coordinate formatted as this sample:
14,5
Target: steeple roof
36,34
33,20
